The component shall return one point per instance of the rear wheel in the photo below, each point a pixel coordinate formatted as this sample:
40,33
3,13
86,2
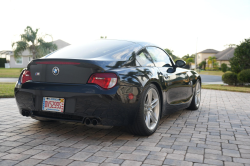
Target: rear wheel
148,116
195,103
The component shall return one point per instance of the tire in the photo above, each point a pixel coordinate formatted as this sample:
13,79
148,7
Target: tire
148,117
195,103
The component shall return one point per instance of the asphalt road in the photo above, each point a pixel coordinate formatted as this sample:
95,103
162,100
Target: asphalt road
211,79
8,80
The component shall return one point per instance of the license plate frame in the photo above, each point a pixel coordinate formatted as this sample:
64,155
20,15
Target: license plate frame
53,104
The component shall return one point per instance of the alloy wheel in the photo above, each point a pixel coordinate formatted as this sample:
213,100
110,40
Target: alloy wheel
198,94
151,109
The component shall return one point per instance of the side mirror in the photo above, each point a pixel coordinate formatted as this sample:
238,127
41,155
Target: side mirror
180,63
171,70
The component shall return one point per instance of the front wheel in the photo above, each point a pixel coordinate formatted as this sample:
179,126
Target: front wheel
148,116
195,103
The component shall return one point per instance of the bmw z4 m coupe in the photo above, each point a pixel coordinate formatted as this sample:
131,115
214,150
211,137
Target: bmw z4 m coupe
108,82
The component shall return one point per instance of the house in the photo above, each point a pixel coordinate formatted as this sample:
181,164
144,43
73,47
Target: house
203,55
26,56
221,56
224,56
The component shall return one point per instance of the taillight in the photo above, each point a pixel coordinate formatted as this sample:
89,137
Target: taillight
26,76
104,80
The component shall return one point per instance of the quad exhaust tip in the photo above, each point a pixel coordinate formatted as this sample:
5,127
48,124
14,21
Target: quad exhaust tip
87,121
93,121
26,113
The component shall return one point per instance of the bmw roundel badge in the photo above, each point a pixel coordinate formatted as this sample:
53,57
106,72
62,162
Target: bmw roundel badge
55,71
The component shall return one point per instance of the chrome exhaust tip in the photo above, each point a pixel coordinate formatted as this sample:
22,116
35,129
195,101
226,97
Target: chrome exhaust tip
87,121
94,122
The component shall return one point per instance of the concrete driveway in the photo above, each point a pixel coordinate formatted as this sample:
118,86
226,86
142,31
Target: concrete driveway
216,134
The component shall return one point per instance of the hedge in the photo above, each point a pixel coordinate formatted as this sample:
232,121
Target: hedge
244,76
230,78
2,62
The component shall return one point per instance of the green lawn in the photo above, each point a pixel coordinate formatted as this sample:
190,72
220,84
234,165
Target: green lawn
10,73
227,88
217,73
7,90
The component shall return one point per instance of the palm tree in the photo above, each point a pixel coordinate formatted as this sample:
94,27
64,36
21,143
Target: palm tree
203,63
36,45
189,61
211,60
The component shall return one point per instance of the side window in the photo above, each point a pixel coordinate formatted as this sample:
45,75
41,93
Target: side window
161,59
144,59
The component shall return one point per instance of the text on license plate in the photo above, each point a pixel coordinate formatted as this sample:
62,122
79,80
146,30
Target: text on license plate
53,104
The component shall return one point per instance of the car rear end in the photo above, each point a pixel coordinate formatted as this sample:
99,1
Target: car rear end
74,90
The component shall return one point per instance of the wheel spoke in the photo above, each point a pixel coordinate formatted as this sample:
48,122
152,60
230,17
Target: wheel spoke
149,97
147,120
152,116
154,103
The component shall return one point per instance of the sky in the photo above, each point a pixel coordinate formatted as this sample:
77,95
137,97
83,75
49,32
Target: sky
184,26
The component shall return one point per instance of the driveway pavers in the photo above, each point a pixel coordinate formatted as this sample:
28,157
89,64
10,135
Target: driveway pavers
216,134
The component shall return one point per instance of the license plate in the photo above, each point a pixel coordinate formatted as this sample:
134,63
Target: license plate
53,104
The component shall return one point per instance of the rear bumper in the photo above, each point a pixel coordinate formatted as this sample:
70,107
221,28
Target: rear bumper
112,107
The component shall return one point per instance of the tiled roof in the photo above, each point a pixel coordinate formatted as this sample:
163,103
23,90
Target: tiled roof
60,43
209,51
225,54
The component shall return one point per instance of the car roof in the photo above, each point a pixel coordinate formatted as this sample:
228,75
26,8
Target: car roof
142,43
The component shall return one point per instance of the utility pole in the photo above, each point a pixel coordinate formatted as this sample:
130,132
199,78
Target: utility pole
196,55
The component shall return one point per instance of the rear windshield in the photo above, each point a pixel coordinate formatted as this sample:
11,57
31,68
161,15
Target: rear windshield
91,50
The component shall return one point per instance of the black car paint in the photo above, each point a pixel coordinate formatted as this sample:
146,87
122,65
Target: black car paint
112,107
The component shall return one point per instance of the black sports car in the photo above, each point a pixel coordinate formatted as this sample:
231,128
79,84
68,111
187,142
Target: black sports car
108,82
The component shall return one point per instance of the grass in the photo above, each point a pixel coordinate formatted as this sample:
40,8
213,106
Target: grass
7,90
217,73
228,88
10,73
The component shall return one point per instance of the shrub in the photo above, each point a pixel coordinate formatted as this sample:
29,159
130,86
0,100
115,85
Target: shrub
208,68
2,62
230,78
244,76
224,67
216,68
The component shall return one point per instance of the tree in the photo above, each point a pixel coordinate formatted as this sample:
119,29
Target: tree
103,37
185,57
224,67
203,64
229,45
212,60
241,59
189,61
36,45
170,52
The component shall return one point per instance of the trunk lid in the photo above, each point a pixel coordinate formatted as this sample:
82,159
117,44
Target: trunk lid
62,70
